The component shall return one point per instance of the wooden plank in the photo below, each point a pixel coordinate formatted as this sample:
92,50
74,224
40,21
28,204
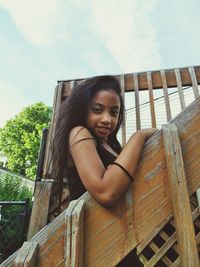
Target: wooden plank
166,96
143,259
151,99
74,234
194,82
39,214
198,197
77,259
161,254
41,157
176,263
108,233
122,82
198,238
56,105
72,84
165,237
156,78
68,225
156,231
26,256
137,101
180,88
55,197
168,244
180,198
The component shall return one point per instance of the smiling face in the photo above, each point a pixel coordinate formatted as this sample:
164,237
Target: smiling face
103,113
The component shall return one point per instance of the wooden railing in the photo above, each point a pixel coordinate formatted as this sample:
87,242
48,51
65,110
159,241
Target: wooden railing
157,216
149,82
137,83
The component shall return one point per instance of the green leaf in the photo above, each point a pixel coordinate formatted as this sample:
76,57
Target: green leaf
20,138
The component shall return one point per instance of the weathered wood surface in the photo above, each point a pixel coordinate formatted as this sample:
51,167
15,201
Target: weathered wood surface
151,99
124,121
180,88
74,241
180,198
137,102
156,80
111,234
39,214
194,82
166,95
26,256
129,82
56,106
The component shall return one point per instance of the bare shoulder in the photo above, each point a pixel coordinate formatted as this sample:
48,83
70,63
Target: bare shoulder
78,134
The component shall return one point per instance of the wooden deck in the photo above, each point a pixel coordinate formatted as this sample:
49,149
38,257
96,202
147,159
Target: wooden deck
164,192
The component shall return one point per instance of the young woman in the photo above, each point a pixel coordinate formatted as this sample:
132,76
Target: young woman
86,148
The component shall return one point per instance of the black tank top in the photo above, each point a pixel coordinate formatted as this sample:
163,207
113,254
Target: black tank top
75,185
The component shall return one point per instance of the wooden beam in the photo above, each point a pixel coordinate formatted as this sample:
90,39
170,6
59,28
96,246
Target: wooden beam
180,88
180,198
137,102
74,243
124,120
194,82
156,79
198,197
151,100
26,256
166,95
56,106
39,214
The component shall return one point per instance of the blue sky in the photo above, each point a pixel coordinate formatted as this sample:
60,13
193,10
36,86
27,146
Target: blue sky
43,41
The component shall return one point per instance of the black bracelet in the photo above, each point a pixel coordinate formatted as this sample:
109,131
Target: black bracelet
128,174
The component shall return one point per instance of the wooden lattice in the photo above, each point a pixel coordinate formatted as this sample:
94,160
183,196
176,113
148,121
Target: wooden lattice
162,250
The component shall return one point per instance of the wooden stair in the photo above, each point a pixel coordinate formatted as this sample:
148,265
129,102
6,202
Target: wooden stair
159,215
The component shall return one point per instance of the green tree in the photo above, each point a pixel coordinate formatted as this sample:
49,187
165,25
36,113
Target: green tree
12,188
20,138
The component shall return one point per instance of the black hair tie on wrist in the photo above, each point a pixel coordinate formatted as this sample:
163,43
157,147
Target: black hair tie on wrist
128,174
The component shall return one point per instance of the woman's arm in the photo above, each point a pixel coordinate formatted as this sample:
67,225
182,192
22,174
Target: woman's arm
105,185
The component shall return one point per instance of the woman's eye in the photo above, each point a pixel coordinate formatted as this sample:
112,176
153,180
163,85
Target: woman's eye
115,113
96,110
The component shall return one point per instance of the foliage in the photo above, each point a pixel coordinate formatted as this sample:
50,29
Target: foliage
12,188
20,138
14,218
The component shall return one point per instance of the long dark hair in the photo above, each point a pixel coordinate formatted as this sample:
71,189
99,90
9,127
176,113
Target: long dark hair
74,111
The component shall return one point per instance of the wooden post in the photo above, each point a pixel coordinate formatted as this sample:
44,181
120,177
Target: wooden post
39,215
39,171
137,101
26,256
74,242
122,83
151,99
180,198
166,95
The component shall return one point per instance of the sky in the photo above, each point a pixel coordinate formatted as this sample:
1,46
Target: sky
43,41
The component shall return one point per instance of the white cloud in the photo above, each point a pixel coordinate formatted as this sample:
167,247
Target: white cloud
126,29
11,102
41,22
123,26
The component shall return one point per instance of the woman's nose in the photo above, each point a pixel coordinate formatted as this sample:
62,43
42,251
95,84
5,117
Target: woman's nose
106,118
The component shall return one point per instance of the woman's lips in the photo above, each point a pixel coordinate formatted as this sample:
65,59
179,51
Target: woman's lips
103,130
